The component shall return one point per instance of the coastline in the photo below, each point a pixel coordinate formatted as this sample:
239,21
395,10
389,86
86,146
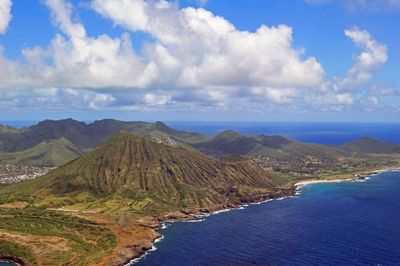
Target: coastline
199,214
313,181
357,176
12,260
136,250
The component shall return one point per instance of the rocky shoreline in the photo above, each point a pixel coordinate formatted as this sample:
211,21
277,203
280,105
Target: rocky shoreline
191,214
130,253
12,260
140,247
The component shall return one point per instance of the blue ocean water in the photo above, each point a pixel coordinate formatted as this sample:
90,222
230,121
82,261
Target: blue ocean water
3,263
334,133
347,223
19,124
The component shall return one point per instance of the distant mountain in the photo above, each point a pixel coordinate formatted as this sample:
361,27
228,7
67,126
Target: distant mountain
81,137
278,147
54,143
7,129
371,145
147,175
46,153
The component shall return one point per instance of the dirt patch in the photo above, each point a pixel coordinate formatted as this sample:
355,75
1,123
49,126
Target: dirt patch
14,205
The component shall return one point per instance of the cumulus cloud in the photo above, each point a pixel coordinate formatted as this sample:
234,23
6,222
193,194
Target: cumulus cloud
277,95
329,99
372,58
5,15
207,50
51,98
193,49
154,99
194,58
379,89
194,53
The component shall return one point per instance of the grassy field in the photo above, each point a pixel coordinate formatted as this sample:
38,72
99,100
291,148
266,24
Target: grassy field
60,237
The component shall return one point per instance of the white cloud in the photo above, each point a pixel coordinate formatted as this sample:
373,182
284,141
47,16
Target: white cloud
193,48
329,99
208,50
194,53
51,98
78,61
379,89
276,95
5,15
195,59
372,58
341,91
153,99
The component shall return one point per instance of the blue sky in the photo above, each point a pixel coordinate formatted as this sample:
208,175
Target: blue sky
292,60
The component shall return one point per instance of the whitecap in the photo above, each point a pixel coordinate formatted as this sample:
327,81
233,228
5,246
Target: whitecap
221,211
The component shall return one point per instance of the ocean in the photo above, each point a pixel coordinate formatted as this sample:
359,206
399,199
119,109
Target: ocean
334,133
346,223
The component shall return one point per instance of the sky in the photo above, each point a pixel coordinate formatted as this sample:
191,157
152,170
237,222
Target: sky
241,60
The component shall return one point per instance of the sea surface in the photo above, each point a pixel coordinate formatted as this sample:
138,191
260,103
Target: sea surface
347,223
3,263
334,133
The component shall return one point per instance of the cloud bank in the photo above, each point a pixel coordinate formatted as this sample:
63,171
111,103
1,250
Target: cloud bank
197,60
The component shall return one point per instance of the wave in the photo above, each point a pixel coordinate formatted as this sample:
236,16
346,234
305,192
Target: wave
202,217
153,248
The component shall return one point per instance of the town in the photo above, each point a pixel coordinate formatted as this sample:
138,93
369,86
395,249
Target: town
10,173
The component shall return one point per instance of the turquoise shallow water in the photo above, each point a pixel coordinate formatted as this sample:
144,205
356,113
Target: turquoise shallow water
348,223
3,263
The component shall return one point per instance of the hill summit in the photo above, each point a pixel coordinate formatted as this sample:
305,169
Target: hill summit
151,175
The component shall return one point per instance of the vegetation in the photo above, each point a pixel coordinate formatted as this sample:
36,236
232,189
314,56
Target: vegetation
12,250
83,211
369,145
54,143
47,153
68,238
131,172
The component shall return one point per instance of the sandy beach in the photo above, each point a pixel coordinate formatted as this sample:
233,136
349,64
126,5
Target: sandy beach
323,181
356,177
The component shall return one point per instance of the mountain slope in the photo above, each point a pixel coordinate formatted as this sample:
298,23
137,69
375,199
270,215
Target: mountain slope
148,175
85,137
277,147
371,145
46,153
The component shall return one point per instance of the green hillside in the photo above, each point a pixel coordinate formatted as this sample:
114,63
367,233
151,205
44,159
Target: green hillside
28,145
370,145
53,143
46,153
276,147
100,207
143,175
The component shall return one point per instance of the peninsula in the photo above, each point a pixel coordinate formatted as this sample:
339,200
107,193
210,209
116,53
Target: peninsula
102,208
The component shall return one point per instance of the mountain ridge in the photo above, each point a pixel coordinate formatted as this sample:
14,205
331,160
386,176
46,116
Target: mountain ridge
372,145
85,137
150,174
